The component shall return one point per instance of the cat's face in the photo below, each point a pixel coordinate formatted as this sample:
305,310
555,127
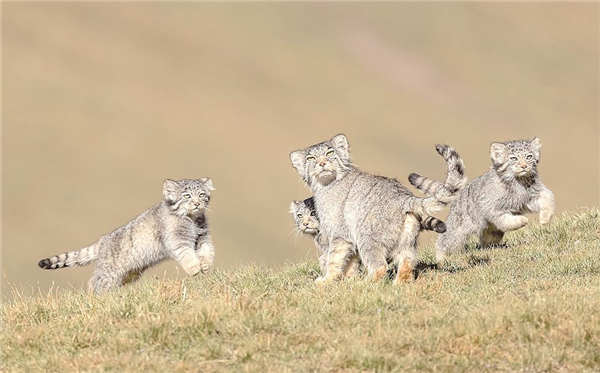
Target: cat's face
516,158
323,163
188,197
305,216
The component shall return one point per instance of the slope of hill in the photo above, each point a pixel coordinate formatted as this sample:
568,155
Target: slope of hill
532,306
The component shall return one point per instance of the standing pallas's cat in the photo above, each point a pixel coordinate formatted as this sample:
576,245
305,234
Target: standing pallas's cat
495,202
175,228
307,222
377,214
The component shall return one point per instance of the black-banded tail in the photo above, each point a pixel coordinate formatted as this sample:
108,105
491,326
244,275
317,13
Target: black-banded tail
455,174
433,224
439,194
77,258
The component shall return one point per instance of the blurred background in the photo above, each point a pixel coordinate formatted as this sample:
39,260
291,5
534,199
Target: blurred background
102,101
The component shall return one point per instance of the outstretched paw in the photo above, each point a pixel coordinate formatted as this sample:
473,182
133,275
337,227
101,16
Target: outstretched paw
205,266
193,269
523,221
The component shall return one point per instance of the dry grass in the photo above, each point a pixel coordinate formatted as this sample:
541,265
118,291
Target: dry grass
532,306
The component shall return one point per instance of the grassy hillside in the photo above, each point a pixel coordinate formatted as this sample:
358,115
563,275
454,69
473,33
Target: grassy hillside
533,306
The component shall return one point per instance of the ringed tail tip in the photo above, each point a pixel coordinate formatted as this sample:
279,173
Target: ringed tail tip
412,178
44,263
440,227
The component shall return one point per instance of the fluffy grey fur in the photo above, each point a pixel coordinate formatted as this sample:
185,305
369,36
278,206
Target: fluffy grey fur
376,214
495,202
175,228
307,222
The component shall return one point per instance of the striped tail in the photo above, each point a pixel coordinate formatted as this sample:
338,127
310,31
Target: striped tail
439,194
455,175
77,258
433,224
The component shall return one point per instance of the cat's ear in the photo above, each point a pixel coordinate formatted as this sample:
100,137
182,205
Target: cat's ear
498,152
293,206
208,184
298,159
340,144
170,190
536,144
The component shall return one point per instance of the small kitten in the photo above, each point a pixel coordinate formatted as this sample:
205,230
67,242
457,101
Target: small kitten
307,222
376,214
495,202
175,228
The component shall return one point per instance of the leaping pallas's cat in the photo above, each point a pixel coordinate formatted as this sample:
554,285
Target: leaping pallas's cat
495,202
376,214
175,228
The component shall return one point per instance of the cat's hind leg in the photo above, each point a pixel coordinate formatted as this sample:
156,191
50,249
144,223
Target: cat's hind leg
405,254
452,240
353,266
337,258
374,257
104,279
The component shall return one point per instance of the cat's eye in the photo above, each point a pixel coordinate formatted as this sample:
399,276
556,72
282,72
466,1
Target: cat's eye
186,195
529,157
312,213
299,216
202,195
311,158
514,159
330,152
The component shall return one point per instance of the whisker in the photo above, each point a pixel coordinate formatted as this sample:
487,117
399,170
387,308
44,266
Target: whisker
297,237
292,231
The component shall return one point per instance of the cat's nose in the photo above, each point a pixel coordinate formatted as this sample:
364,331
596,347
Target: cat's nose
322,163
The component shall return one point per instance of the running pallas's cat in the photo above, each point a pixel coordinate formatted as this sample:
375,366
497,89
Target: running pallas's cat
496,202
175,228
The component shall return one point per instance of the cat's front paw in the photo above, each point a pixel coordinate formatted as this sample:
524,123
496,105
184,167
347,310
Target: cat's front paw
545,217
523,220
192,269
205,265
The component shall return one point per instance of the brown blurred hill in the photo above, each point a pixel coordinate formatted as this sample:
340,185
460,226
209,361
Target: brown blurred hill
102,101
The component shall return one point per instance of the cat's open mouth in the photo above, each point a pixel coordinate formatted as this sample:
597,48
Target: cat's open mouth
326,177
